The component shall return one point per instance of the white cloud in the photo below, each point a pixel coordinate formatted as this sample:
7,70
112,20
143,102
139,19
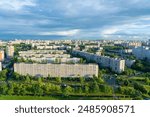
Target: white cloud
138,25
86,7
110,31
61,33
15,5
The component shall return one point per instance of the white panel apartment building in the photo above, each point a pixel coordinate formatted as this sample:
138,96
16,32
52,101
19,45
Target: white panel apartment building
10,51
141,52
57,70
132,44
115,64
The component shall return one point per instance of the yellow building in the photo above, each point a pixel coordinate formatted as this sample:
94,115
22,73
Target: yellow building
2,55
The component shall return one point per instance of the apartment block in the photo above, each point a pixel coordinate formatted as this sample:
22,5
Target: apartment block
2,55
57,70
132,44
129,63
10,51
141,52
115,64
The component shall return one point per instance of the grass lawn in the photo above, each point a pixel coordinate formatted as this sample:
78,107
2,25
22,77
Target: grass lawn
27,98
7,97
137,78
147,87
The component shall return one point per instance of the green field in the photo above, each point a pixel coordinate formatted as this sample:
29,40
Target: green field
3,97
27,98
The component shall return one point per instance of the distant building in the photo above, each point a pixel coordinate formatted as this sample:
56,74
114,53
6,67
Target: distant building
57,70
129,63
126,51
132,44
141,52
2,55
49,56
115,64
10,51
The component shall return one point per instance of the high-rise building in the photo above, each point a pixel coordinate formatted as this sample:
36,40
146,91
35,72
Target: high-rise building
2,55
10,51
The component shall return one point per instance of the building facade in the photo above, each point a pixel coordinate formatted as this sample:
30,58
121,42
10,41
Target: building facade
129,63
141,52
57,70
115,64
132,44
10,51
2,55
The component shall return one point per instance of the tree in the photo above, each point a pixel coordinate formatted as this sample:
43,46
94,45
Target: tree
81,60
27,79
40,81
94,87
78,90
126,82
99,80
3,74
37,90
3,88
23,90
58,79
67,90
46,88
81,80
106,89
129,71
86,89
100,74
17,88
141,88
15,76
57,89
10,90
57,60
127,90
149,93
147,81
35,47
141,65
137,95
49,77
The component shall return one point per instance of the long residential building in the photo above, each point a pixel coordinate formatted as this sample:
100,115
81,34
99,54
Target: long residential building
141,52
57,70
115,64
132,44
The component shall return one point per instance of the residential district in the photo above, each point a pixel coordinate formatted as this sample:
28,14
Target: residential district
74,69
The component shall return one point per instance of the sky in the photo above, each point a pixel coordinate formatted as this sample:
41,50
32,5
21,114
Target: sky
75,19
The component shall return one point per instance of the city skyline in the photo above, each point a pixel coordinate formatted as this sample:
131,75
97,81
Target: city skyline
68,19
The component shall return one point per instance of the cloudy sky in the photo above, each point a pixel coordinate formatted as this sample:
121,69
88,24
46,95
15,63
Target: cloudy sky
74,19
